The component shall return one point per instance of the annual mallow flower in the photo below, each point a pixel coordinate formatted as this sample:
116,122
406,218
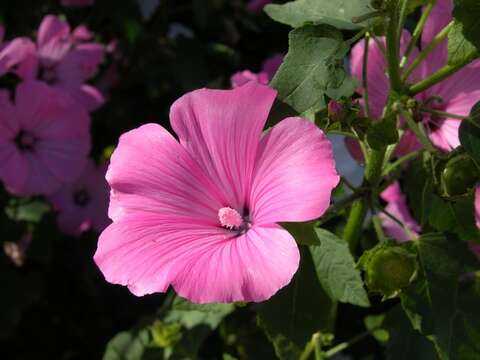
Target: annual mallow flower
269,68
64,59
83,204
44,139
456,94
397,207
201,214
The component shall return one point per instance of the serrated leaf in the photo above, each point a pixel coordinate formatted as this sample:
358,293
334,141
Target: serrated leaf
312,67
336,270
436,305
291,316
336,13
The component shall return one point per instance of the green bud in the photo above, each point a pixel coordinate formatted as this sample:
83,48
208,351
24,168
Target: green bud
388,269
459,175
165,335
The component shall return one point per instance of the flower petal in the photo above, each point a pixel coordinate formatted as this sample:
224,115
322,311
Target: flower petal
203,264
52,28
221,130
477,206
294,173
151,172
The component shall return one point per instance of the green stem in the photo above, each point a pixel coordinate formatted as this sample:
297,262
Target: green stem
444,114
417,32
392,53
377,225
440,75
345,345
393,166
425,52
357,36
362,18
402,18
317,342
424,140
365,75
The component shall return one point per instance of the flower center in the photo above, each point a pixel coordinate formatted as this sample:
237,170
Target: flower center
25,141
81,197
230,218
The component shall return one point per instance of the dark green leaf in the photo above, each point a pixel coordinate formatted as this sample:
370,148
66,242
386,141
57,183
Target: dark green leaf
382,133
297,311
442,216
464,213
312,67
336,270
185,305
459,48
336,13
467,12
304,233
436,304
469,134
131,345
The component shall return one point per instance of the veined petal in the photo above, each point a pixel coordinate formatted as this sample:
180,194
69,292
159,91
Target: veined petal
52,28
203,264
221,130
151,172
294,174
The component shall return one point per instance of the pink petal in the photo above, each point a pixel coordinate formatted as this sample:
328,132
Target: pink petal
80,64
294,174
445,137
221,130
242,77
354,149
52,28
8,125
203,264
477,206
15,52
407,144
397,207
86,95
256,6
151,172
440,16
271,65
82,33
13,167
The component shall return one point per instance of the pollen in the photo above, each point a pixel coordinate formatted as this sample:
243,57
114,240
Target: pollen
230,218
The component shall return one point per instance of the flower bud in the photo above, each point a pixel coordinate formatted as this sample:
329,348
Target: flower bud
336,111
388,269
459,175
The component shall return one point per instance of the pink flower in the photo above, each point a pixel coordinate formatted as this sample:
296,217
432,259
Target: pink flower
77,3
83,205
256,6
44,139
477,206
397,207
457,94
64,60
201,215
269,68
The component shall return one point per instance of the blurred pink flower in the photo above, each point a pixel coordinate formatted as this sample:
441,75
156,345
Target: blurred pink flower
477,206
397,207
16,251
44,139
269,68
456,94
201,215
83,205
77,3
257,5
63,59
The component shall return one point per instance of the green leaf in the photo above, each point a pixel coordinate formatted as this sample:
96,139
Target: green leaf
336,270
297,311
382,133
404,341
464,213
442,216
467,12
312,67
459,48
304,233
183,304
27,210
375,324
132,345
469,134
440,303
336,13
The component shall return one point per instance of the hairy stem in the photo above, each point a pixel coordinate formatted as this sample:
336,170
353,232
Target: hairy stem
424,140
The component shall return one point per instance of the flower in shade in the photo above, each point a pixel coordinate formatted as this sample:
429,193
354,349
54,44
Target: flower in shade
201,214
477,206
64,59
398,209
83,204
44,139
256,6
77,3
269,68
457,94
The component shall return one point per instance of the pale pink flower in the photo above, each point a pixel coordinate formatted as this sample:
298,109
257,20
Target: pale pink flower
397,207
256,6
77,3
44,139
83,204
269,68
63,59
457,94
201,215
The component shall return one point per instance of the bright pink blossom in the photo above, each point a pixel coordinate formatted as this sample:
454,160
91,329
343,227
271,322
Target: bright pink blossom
456,94
256,6
63,59
201,215
269,68
77,3
83,204
397,207
44,139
